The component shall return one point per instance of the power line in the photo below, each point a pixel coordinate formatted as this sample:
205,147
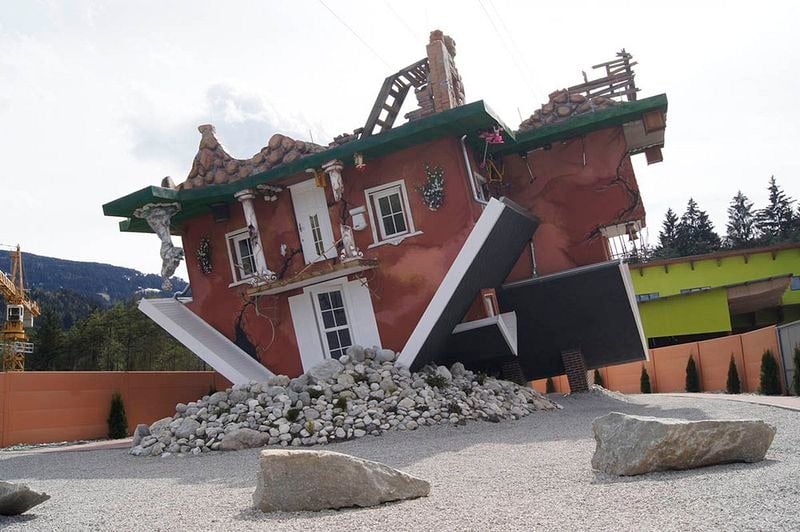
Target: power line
520,70
402,21
510,36
370,48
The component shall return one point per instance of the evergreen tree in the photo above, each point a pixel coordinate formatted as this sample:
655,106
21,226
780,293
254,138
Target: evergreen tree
733,384
667,237
796,376
776,222
644,381
48,342
741,231
117,420
694,234
598,378
692,378
770,380
549,387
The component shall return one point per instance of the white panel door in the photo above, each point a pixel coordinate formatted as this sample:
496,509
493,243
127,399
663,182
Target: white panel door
313,221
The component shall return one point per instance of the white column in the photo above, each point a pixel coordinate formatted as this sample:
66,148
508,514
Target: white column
334,170
246,198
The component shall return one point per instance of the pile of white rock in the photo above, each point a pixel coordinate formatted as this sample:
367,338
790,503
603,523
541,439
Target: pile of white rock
362,393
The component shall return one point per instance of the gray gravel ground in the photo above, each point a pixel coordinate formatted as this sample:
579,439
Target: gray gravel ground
517,475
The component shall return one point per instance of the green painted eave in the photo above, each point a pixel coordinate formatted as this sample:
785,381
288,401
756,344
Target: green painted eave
466,119
582,124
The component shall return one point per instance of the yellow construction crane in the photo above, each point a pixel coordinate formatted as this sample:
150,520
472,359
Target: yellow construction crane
20,312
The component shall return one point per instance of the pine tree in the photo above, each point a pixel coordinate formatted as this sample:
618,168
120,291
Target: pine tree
48,341
598,378
667,237
796,376
692,378
694,234
644,381
117,420
770,380
733,385
549,387
776,222
741,223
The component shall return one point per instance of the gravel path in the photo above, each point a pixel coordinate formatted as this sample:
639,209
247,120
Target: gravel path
521,475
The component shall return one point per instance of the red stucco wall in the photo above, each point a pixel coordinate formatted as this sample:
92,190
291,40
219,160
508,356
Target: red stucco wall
572,199
402,286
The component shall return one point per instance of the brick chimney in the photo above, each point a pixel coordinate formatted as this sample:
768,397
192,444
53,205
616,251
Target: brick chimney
444,81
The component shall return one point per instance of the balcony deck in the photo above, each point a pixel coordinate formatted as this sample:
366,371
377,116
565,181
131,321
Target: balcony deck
313,276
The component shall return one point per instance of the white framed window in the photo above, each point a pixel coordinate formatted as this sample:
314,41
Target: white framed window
241,254
333,320
389,212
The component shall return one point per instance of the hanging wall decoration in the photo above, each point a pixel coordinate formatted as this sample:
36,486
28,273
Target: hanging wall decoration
432,189
358,161
204,255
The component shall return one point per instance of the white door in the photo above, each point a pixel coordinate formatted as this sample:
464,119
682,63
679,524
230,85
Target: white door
313,221
331,316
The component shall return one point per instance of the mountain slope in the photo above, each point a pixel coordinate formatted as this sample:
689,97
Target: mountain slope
112,283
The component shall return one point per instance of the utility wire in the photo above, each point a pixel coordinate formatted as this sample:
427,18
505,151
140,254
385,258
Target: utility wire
414,34
511,37
370,48
520,70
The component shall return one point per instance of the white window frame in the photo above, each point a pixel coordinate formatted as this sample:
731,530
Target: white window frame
232,239
314,292
372,195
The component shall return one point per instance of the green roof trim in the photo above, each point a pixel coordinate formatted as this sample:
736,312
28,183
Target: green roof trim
581,124
466,119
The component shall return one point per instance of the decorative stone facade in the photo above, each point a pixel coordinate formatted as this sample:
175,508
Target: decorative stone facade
562,106
214,166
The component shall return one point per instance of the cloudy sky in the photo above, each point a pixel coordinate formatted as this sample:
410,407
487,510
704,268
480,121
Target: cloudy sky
98,99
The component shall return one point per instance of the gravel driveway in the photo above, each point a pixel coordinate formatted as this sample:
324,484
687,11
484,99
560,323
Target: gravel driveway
517,475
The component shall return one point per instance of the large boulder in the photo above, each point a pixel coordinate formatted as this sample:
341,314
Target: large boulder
142,431
324,371
244,438
186,427
634,445
18,498
293,481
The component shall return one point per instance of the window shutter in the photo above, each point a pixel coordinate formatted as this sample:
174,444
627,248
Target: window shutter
306,331
365,328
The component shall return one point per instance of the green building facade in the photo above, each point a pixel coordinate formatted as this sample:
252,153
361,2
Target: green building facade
711,295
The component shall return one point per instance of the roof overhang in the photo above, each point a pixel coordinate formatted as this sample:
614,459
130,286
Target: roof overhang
467,119
757,295
636,114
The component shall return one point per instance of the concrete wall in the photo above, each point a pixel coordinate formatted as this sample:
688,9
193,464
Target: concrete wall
667,365
41,407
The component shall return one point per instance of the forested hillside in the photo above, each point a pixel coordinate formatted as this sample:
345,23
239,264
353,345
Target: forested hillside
89,318
112,283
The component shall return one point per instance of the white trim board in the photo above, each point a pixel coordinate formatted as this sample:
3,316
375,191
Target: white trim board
625,272
506,324
477,237
216,349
